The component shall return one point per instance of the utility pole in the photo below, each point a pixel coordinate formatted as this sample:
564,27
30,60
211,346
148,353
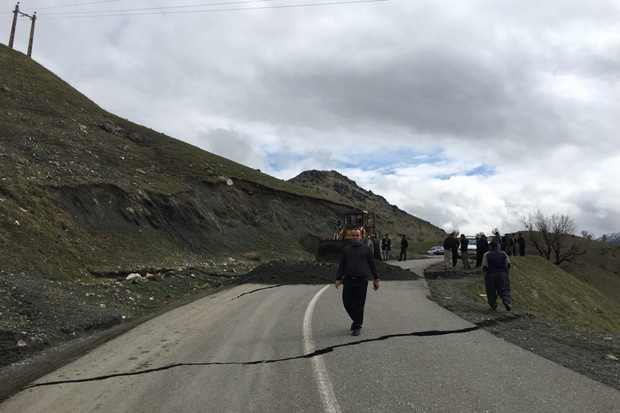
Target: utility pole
33,19
12,37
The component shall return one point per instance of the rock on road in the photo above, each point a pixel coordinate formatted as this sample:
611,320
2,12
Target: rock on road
257,348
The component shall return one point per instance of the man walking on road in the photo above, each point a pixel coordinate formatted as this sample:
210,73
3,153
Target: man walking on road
356,262
495,269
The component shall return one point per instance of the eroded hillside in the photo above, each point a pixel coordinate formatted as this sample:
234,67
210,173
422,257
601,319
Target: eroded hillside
83,191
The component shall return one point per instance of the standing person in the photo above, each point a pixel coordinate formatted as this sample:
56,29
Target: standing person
447,251
356,262
521,242
403,248
482,246
455,250
386,246
496,269
514,245
509,244
496,236
464,251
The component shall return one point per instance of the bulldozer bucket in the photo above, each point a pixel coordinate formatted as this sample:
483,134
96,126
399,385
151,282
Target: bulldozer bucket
329,249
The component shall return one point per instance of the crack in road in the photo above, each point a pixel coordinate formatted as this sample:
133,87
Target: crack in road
315,353
256,290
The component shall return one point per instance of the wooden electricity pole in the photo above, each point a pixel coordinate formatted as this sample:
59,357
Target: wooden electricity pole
33,19
12,37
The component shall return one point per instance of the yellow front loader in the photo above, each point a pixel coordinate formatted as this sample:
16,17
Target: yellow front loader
329,249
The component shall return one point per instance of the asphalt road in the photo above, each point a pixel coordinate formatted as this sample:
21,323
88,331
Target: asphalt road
288,349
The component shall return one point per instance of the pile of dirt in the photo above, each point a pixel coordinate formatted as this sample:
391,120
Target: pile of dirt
313,272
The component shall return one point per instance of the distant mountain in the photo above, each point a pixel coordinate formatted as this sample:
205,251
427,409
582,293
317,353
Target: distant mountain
390,219
610,238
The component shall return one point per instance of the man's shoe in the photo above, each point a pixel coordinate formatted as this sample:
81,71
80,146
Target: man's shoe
507,305
356,332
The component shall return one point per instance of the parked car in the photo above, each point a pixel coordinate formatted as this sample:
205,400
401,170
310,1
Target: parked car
471,247
436,250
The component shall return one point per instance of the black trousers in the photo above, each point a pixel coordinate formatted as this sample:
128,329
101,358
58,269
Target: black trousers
354,299
497,284
479,255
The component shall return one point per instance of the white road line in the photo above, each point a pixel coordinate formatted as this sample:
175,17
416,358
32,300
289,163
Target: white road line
328,398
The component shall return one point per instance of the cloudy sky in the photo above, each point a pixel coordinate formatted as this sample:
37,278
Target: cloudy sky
466,113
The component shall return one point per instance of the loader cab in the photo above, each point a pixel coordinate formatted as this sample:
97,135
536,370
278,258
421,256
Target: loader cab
354,220
363,220
329,250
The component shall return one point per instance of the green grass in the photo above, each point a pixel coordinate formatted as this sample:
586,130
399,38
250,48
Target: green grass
599,267
547,291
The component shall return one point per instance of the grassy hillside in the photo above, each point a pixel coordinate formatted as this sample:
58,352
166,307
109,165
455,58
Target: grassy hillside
550,293
599,267
52,134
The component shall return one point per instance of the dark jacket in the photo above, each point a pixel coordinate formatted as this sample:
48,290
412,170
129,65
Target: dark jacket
356,261
496,262
455,245
482,246
464,244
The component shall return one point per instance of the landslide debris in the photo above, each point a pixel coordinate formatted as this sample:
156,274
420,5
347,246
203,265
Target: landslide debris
313,272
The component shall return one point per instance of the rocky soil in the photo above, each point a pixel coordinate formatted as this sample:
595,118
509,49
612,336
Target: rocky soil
49,323
37,314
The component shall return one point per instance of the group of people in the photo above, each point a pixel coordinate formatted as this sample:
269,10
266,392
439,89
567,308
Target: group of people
451,246
493,260
386,248
357,263
511,244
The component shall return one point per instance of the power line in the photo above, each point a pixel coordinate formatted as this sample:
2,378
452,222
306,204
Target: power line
79,4
167,10
157,8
